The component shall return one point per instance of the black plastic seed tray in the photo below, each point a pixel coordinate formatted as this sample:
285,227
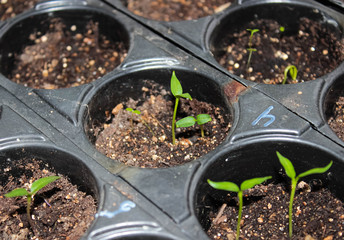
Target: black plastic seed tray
166,203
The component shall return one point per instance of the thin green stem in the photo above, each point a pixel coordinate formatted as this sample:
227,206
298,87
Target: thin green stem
292,194
131,121
174,121
240,197
249,57
28,210
202,130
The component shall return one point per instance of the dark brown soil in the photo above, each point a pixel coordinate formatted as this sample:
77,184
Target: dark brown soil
317,214
147,142
59,210
336,122
311,48
63,58
10,8
175,10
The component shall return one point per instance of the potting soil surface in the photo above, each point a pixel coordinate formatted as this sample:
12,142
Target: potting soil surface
176,10
147,141
336,122
312,48
64,57
317,214
10,8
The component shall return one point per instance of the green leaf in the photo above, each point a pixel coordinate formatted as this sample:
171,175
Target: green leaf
176,87
250,183
227,186
184,95
315,170
129,109
42,182
203,118
292,70
252,31
137,112
18,192
287,165
186,122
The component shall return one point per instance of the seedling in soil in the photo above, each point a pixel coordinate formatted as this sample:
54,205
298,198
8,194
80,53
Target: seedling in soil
281,29
190,121
232,187
177,91
135,111
35,187
250,45
292,70
290,171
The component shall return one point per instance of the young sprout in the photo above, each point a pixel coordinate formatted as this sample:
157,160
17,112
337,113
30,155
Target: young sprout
177,91
232,187
292,70
281,29
250,45
135,111
290,171
35,187
190,121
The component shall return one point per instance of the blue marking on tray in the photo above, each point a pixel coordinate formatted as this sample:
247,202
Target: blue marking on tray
265,114
125,206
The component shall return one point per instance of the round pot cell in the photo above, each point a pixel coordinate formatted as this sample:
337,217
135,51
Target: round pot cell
333,107
172,10
265,206
63,48
65,207
262,43
129,119
10,8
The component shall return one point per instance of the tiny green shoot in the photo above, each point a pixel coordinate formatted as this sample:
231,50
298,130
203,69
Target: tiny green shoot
292,70
190,121
290,171
250,46
232,187
135,111
35,187
281,29
177,91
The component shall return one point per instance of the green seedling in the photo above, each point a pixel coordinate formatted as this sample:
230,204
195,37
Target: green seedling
135,111
35,187
232,187
290,171
281,29
190,121
177,91
250,46
292,70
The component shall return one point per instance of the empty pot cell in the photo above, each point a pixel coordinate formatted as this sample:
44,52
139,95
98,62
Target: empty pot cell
129,119
334,107
10,8
61,49
317,206
260,42
172,10
62,209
